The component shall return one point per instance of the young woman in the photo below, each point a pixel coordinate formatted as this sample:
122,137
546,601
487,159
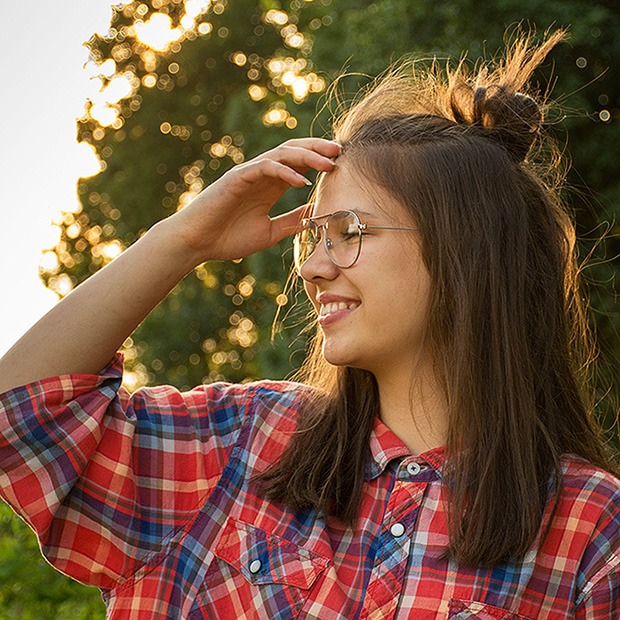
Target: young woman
439,458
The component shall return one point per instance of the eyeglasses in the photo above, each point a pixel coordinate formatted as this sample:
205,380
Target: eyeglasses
342,237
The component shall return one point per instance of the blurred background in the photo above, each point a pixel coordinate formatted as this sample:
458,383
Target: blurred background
168,95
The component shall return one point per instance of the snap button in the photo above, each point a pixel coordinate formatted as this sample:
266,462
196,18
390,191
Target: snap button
397,530
414,468
255,566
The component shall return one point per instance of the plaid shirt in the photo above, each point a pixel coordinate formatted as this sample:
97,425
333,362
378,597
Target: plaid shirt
149,497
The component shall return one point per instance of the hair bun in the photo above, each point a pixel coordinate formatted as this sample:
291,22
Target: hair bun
512,119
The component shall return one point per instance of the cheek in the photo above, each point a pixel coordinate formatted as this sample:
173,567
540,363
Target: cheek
409,284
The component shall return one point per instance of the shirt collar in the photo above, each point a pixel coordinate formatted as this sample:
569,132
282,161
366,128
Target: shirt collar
385,446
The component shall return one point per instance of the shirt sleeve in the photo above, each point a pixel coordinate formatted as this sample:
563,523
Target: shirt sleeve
106,478
599,573
602,602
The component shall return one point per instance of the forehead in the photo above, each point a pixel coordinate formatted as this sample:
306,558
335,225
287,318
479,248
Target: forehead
346,189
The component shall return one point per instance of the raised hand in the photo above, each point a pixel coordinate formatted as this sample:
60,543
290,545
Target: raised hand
230,218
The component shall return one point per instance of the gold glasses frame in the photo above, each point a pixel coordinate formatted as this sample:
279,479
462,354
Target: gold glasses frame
320,231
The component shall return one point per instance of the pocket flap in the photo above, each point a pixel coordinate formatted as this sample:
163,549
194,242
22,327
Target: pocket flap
461,610
265,558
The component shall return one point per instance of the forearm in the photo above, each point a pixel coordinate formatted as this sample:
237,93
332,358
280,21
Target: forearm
84,330
229,219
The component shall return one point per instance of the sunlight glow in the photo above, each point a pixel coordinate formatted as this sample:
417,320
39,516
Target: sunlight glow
257,92
275,116
276,65
300,89
187,21
295,40
103,114
51,236
111,250
119,88
239,58
61,284
287,72
49,262
244,334
90,164
194,8
157,32
107,68
136,377
288,77
276,17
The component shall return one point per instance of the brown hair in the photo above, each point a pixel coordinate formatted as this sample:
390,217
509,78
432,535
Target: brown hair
464,151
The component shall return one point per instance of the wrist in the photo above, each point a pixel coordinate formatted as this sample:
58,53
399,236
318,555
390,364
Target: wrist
169,240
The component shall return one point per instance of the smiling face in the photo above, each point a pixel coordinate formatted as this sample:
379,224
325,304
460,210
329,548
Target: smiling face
373,315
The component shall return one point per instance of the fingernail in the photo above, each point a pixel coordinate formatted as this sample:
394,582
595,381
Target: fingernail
307,181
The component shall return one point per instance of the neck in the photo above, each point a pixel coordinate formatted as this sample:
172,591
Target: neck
415,410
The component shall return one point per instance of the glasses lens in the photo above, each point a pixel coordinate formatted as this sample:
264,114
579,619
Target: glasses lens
304,244
343,238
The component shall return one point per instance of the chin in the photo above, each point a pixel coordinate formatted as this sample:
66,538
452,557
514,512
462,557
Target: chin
340,357
335,357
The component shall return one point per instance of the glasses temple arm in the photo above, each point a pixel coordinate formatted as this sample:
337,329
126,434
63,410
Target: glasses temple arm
367,227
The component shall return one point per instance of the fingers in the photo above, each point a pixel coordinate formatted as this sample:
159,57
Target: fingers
258,168
329,148
305,153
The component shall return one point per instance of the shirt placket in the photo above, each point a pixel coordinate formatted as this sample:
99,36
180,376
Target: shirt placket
390,566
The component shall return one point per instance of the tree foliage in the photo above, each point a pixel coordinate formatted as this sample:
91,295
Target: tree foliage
236,78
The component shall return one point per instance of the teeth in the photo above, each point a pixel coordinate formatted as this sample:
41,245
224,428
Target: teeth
334,306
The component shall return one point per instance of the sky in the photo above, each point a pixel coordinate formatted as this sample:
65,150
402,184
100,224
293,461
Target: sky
44,88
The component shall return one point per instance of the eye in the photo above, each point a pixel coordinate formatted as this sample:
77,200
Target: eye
349,231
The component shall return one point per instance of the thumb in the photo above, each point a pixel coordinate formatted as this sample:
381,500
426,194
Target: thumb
288,223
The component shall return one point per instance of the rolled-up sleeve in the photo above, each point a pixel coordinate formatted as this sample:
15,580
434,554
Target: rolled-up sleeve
602,602
105,477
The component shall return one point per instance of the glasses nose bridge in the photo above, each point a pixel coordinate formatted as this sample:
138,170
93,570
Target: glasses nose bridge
321,237
320,230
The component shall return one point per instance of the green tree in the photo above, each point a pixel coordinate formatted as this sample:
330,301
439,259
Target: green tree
204,103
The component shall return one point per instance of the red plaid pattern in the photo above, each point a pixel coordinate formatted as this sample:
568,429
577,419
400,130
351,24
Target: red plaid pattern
151,498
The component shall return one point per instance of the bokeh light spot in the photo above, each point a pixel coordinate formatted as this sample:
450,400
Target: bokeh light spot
239,58
257,92
149,80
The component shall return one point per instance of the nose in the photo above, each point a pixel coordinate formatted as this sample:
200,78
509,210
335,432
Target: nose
318,265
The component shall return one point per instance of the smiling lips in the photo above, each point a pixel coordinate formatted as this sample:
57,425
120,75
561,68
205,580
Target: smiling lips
335,310
334,306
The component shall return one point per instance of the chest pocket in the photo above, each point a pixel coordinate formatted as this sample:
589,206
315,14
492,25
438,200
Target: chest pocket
257,575
463,610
